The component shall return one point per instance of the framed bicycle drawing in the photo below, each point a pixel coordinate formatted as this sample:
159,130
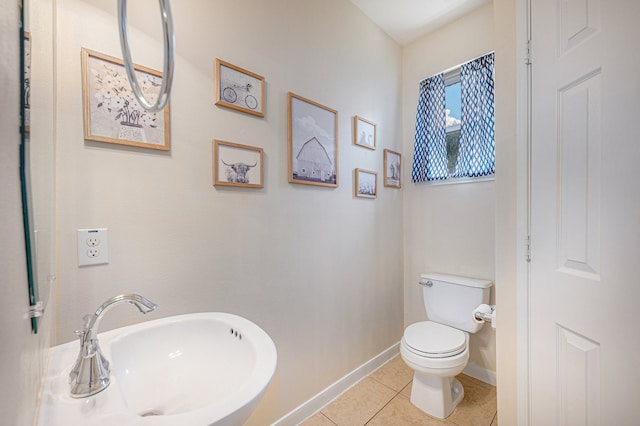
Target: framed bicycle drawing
239,89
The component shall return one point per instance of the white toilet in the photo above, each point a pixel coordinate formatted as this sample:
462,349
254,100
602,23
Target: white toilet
438,349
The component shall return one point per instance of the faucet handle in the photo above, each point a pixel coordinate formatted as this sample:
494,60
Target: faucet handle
87,321
82,334
82,338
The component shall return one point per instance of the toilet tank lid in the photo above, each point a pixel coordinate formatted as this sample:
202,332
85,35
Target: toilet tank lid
454,279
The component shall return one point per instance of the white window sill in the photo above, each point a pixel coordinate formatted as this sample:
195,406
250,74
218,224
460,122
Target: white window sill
457,181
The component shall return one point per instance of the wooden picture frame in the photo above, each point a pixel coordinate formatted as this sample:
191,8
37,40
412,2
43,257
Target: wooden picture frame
111,112
237,165
392,169
364,132
313,142
239,89
366,183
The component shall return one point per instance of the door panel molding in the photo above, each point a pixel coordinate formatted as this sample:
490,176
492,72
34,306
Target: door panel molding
580,21
579,156
578,366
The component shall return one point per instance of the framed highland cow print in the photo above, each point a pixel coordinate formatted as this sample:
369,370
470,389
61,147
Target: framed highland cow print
237,165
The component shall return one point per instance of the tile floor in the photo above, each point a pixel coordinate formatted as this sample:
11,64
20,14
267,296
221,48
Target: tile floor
382,399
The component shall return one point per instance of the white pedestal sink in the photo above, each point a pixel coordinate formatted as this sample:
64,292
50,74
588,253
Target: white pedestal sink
194,369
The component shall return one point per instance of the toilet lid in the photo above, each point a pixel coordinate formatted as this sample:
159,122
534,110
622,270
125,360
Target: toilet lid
435,340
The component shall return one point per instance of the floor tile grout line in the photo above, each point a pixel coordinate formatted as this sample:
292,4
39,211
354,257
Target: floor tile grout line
389,387
327,417
376,413
321,410
381,408
398,393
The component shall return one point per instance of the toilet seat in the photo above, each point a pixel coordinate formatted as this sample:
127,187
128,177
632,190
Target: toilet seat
432,340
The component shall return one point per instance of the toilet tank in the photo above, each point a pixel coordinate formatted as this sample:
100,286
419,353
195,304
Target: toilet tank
450,300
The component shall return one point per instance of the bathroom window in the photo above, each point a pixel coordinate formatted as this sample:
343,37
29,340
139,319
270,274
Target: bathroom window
453,114
454,137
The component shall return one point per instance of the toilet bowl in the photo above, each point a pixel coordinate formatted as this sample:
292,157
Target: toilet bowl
437,353
438,350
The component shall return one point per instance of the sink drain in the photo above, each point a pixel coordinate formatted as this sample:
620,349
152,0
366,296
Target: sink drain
152,413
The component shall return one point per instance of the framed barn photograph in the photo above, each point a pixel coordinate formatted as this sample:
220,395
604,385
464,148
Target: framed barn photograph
239,89
366,183
111,112
313,143
392,169
237,165
364,132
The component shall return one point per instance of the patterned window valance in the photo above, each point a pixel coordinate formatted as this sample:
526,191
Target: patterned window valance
476,153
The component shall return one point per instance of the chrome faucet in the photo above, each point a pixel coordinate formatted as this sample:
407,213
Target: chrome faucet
90,373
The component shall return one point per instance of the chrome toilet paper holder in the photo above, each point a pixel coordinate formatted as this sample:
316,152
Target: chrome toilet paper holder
485,313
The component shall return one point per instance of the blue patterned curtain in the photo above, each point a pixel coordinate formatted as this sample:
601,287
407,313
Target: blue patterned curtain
476,155
430,149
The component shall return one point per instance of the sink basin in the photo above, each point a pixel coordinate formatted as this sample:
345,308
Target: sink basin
194,369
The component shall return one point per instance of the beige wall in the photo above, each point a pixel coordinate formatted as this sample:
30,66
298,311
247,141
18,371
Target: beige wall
318,269
447,228
171,233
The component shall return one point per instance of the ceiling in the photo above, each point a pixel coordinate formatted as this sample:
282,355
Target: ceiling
407,20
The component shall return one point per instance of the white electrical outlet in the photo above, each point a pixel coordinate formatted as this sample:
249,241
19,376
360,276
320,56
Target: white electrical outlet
93,246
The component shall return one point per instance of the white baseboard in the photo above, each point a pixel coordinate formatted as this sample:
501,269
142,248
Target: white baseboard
482,374
313,405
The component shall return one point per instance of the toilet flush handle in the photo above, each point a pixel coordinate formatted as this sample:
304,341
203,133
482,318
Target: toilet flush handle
427,283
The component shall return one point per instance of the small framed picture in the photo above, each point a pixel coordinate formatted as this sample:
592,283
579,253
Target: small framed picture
239,89
237,165
313,143
111,112
366,183
392,169
364,132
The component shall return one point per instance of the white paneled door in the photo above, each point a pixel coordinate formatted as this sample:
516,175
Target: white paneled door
585,213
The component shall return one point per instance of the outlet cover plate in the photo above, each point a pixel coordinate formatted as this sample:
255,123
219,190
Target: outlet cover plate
93,246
